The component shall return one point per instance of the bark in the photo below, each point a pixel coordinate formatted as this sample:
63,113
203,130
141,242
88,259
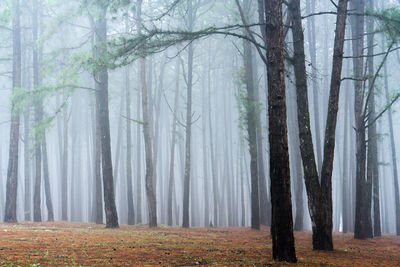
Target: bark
319,194
173,143
346,166
150,188
10,214
131,212
282,222
361,230
138,164
101,86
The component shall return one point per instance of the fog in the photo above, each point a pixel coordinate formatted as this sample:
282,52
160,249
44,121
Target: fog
211,62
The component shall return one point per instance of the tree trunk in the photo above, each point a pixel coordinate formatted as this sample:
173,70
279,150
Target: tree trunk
282,221
319,195
173,142
101,86
393,150
150,188
10,214
131,212
361,230
372,168
188,126
49,202
37,217
250,105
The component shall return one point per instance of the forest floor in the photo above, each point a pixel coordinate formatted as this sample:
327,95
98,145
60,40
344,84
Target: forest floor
78,244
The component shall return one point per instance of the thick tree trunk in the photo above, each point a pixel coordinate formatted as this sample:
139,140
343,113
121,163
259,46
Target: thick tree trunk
101,86
362,227
10,214
282,221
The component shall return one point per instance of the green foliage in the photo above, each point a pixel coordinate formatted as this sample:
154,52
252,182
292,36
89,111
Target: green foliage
389,22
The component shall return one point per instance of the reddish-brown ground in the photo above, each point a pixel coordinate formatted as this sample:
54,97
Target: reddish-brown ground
55,244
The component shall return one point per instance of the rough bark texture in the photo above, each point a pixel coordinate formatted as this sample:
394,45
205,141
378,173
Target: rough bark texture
10,214
361,230
282,222
319,195
101,86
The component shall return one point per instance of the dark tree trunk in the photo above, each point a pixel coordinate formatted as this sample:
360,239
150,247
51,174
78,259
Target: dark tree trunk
362,228
173,142
319,195
282,222
10,214
101,86
131,211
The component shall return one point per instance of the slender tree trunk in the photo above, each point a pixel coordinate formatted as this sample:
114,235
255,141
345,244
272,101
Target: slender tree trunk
393,151
173,142
150,188
282,222
37,217
186,183
10,214
49,202
138,164
97,168
346,172
372,168
131,212
310,6
250,105
101,87
319,195
64,174
27,167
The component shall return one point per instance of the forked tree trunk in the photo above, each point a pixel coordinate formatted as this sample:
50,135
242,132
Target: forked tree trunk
319,194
